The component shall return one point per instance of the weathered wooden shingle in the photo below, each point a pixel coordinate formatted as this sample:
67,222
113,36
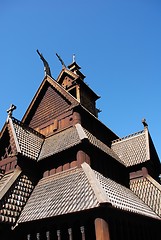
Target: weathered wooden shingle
147,189
102,146
59,142
28,141
15,189
73,190
123,198
133,149
59,194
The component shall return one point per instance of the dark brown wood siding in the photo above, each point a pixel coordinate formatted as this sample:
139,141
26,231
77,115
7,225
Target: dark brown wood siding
50,106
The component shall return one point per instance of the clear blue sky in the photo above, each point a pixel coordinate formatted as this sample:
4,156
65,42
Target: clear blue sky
117,43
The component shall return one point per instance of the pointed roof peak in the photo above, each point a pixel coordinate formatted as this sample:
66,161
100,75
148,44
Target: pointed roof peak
73,57
75,68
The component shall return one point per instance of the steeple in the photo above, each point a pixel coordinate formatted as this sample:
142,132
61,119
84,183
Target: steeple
75,68
72,79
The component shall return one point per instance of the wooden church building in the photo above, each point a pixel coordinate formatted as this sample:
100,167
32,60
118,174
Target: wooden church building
64,175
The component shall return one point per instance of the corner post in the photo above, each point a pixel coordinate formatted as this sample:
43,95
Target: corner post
101,229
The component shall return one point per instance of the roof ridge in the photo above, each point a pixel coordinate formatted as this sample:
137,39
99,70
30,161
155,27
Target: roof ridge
21,124
10,120
130,201
9,182
20,131
95,185
52,81
128,136
81,132
154,182
101,145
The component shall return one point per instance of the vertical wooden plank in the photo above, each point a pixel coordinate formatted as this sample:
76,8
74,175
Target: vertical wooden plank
38,236
78,93
101,229
58,235
70,233
82,232
48,235
28,237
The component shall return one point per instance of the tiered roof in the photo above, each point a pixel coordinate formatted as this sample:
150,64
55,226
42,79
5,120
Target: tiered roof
34,145
79,189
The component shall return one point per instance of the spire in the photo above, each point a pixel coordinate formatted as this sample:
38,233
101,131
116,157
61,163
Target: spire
73,58
46,65
74,67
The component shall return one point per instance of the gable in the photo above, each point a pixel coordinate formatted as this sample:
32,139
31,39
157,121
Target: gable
49,107
50,101
66,77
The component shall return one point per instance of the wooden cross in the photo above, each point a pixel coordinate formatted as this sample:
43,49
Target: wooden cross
11,109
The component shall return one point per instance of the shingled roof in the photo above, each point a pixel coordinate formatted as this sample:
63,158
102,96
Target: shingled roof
34,145
15,189
149,190
71,137
133,149
28,142
76,190
59,142
103,147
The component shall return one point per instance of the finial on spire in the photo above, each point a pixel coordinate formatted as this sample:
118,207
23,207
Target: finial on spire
73,58
46,65
144,122
10,110
60,59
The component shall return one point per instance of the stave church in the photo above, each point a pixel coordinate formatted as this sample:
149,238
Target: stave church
64,175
